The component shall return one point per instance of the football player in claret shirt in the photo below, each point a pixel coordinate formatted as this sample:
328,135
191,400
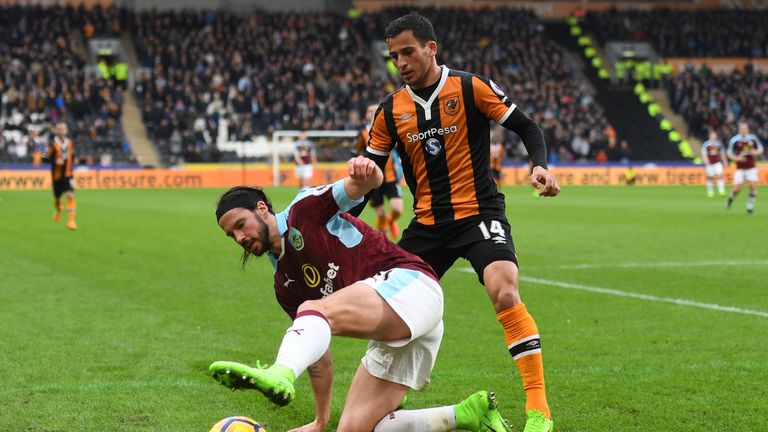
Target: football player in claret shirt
439,124
334,274
713,155
390,188
61,155
744,148
304,156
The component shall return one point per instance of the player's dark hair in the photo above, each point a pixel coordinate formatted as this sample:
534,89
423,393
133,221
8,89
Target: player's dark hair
242,197
246,197
420,26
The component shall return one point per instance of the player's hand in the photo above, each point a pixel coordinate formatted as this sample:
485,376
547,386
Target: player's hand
361,168
545,182
315,426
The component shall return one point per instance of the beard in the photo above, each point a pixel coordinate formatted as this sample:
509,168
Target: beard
263,243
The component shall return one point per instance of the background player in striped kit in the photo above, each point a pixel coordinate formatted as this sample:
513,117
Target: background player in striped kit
61,154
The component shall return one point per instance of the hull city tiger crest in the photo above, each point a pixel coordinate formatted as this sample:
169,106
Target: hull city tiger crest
451,105
296,240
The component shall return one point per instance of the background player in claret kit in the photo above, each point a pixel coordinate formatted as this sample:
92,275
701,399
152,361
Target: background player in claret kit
390,188
744,148
439,125
61,155
304,156
713,155
327,286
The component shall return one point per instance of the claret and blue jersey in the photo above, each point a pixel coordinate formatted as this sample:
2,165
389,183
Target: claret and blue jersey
325,249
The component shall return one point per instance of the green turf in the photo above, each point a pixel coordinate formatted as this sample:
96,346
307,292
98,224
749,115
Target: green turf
112,327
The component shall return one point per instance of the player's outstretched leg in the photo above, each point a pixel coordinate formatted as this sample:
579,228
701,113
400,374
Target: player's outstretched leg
479,412
275,382
538,422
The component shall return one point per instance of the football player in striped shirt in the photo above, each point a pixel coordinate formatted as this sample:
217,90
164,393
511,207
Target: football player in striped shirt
439,124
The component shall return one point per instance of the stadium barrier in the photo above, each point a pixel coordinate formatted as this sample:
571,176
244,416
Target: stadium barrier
225,176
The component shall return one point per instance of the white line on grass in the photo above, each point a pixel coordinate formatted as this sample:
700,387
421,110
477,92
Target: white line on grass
724,263
649,297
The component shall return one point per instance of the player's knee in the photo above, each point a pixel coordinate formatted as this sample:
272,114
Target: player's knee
500,279
314,305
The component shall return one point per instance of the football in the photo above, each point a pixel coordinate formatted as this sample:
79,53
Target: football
237,424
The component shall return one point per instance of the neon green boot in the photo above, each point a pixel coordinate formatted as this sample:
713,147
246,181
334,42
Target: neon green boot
276,382
479,413
538,422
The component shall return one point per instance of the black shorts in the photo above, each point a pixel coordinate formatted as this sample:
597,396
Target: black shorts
389,190
66,184
479,239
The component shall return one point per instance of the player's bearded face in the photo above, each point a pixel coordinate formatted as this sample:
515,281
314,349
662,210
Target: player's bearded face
258,242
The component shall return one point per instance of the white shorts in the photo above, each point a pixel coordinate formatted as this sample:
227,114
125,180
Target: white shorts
715,169
418,300
741,175
304,172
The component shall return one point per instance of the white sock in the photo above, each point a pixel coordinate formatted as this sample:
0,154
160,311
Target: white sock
751,201
304,342
709,186
442,419
721,186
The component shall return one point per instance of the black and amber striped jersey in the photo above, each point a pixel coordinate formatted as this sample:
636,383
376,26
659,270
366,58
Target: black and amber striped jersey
444,145
392,171
61,149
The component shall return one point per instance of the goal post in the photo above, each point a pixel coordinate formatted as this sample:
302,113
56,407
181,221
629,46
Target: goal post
282,144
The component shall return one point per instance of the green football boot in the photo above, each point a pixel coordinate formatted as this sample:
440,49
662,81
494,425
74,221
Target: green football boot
538,422
276,382
479,413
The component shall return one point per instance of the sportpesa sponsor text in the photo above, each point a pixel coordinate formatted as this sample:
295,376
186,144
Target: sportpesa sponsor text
413,137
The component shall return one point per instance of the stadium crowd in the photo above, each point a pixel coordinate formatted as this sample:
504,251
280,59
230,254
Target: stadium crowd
710,101
42,81
264,72
213,75
686,33
510,47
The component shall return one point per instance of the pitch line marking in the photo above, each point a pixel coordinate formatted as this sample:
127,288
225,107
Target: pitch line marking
728,263
649,297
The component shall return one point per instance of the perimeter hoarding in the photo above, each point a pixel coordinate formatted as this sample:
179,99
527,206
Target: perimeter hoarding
212,176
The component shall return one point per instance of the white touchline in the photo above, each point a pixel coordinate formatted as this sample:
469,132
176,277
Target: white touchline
725,263
649,297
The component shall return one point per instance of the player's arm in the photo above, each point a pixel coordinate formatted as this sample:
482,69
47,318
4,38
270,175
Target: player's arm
296,157
321,377
731,155
364,175
759,147
533,140
492,102
380,143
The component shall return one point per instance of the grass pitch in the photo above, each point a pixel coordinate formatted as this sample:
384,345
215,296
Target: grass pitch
651,303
